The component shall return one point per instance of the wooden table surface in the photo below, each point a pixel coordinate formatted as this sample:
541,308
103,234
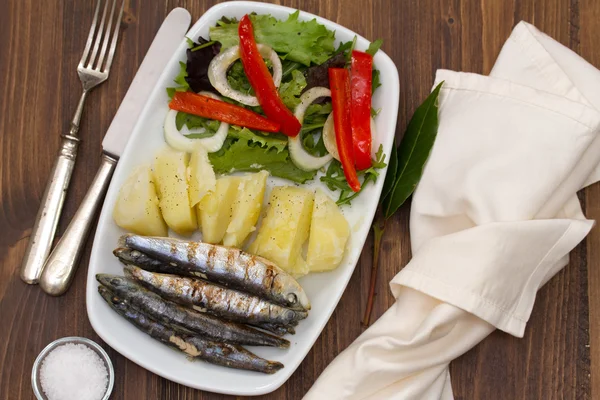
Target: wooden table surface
559,357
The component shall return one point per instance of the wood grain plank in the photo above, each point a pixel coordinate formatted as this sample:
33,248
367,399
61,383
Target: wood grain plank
39,93
589,20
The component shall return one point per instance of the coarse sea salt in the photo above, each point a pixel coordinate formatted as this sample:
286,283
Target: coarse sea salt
73,372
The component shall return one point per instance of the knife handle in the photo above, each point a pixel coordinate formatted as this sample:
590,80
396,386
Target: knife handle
46,221
62,263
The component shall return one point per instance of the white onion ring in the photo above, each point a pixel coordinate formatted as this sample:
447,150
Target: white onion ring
217,73
308,98
178,141
329,138
303,159
330,141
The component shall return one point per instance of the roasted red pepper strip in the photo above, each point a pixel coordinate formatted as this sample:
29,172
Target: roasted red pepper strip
361,69
339,81
262,81
206,107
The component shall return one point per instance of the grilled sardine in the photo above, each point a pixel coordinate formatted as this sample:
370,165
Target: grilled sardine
226,265
170,313
227,355
216,300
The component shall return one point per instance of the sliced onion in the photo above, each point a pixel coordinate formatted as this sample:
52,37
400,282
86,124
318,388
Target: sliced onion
303,159
373,134
178,141
308,98
329,137
218,67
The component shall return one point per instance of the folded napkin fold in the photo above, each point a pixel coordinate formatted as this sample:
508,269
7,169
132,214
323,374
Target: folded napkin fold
492,220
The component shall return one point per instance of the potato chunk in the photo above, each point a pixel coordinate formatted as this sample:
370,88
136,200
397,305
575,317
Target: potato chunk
246,208
170,177
329,232
214,210
201,176
136,209
285,228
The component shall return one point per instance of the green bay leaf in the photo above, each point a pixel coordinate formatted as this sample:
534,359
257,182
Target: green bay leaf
390,177
413,152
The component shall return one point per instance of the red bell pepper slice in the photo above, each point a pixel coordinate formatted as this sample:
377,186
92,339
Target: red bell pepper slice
204,106
361,69
339,83
262,81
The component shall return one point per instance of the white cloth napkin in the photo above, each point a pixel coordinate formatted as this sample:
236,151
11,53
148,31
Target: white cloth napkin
492,220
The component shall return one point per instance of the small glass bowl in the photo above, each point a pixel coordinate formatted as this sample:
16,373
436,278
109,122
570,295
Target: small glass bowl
37,365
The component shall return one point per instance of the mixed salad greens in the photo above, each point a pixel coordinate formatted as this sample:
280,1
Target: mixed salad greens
267,94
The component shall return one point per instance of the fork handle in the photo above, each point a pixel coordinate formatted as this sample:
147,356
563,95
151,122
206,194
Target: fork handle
46,221
62,263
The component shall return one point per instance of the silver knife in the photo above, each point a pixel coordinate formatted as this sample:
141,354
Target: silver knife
61,264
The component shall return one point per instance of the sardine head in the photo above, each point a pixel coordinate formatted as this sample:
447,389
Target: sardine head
123,239
292,293
126,255
112,300
112,282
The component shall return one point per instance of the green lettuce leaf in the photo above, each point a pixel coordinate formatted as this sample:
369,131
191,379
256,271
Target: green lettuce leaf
335,179
241,155
374,47
267,140
290,91
289,66
236,77
317,113
194,121
301,41
312,128
376,82
345,47
313,143
182,85
315,116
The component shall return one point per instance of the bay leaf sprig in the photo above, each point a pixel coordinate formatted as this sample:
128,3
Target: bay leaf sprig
413,153
404,172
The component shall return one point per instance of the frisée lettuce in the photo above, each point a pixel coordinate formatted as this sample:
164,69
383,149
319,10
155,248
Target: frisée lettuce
303,41
243,155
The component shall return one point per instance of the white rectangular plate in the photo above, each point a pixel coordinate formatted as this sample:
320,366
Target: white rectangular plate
324,289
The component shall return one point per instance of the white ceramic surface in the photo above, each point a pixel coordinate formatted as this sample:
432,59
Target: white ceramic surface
323,289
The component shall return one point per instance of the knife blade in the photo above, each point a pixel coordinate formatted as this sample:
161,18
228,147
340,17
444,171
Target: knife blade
167,40
61,264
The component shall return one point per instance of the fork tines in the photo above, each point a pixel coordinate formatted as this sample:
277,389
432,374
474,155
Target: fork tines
101,34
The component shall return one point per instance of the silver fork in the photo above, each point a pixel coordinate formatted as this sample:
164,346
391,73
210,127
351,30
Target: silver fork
92,70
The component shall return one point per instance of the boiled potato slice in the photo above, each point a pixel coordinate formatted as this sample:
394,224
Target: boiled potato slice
201,176
329,232
170,178
246,208
300,268
285,228
136,209
214,210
